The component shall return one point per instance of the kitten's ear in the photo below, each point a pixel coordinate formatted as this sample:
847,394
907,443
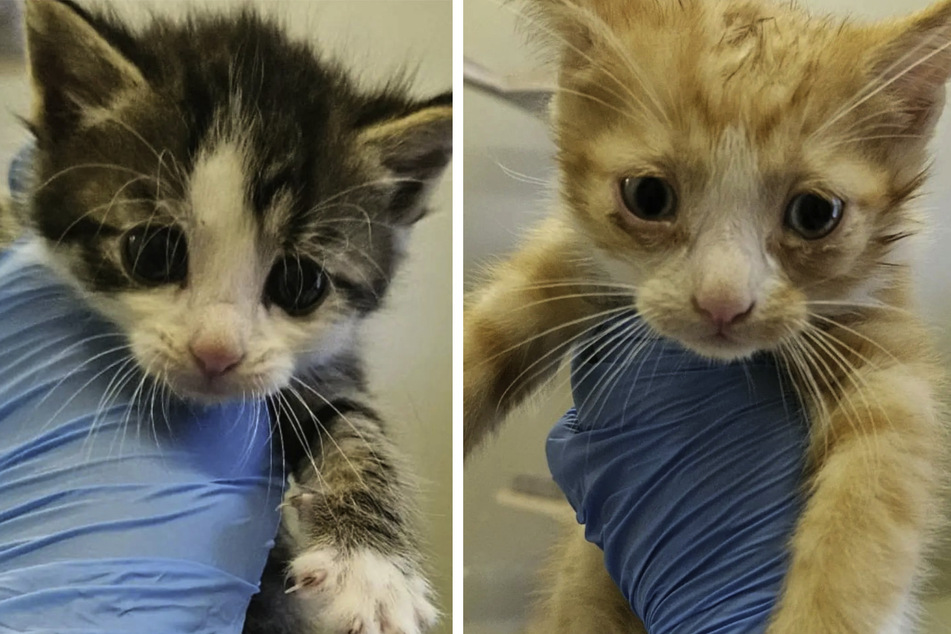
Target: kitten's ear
566,25
414,148
73,66
914,61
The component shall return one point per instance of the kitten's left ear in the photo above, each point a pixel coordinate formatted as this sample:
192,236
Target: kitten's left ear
73,65
914,60
414,148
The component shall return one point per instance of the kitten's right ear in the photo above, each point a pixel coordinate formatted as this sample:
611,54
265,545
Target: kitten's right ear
566,25
73,66
575,26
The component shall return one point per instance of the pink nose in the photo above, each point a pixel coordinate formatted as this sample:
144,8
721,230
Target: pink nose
216,360
724,311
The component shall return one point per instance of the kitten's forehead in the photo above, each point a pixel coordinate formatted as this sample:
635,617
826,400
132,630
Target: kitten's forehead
764,63
229,253
719,64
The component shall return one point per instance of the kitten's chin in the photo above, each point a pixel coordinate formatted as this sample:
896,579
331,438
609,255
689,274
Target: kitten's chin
719,349
210,396
201,390
731,345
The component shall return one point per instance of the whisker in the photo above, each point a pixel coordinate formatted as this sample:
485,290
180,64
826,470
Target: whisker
553,356
562,326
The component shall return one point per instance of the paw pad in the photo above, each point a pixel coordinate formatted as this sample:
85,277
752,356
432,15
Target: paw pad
362,592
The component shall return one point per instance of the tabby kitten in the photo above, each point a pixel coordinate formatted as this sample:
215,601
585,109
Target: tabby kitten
742,174
237,207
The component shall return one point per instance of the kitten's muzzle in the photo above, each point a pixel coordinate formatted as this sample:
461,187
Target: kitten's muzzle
217,345
723,312
215,360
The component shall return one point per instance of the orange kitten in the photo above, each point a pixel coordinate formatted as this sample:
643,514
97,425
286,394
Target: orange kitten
742,174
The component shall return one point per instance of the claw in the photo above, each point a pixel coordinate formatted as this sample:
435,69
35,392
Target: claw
302,499
308,581
296,501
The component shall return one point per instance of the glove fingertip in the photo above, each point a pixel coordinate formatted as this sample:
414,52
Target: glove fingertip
570,420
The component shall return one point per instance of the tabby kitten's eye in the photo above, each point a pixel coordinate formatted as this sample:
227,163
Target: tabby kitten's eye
648,198
296,284
813,216
155,254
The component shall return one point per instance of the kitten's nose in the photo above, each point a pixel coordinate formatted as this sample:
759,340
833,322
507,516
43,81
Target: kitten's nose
215,360
723,310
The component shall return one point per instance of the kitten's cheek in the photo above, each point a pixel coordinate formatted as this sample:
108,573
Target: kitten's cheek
278,375
147,356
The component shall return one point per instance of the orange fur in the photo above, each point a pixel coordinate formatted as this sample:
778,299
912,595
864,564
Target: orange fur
740,105
581,597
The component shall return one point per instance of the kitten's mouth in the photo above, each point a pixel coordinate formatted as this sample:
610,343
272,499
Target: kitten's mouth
722,345
188,382
209,391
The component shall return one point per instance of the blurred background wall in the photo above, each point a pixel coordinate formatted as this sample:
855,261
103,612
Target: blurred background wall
409,343
508,172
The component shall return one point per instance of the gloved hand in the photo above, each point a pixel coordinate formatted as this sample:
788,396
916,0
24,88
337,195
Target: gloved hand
688,474
117,519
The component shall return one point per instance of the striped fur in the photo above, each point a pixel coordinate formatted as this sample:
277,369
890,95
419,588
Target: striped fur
259,152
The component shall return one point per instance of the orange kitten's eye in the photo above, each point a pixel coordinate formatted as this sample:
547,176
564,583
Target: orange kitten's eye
648,198
813,216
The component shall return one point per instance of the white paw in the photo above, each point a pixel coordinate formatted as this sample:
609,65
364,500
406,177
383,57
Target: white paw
362,592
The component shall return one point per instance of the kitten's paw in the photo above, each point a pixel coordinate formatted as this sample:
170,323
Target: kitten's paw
362,592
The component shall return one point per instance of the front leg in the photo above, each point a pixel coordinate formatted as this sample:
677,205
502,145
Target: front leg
857,552
521,322
348,545
356,563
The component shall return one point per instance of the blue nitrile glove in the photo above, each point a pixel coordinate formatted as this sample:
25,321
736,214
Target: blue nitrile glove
111,523
689,475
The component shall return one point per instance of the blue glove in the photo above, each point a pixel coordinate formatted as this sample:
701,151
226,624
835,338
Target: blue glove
156,520
688,474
